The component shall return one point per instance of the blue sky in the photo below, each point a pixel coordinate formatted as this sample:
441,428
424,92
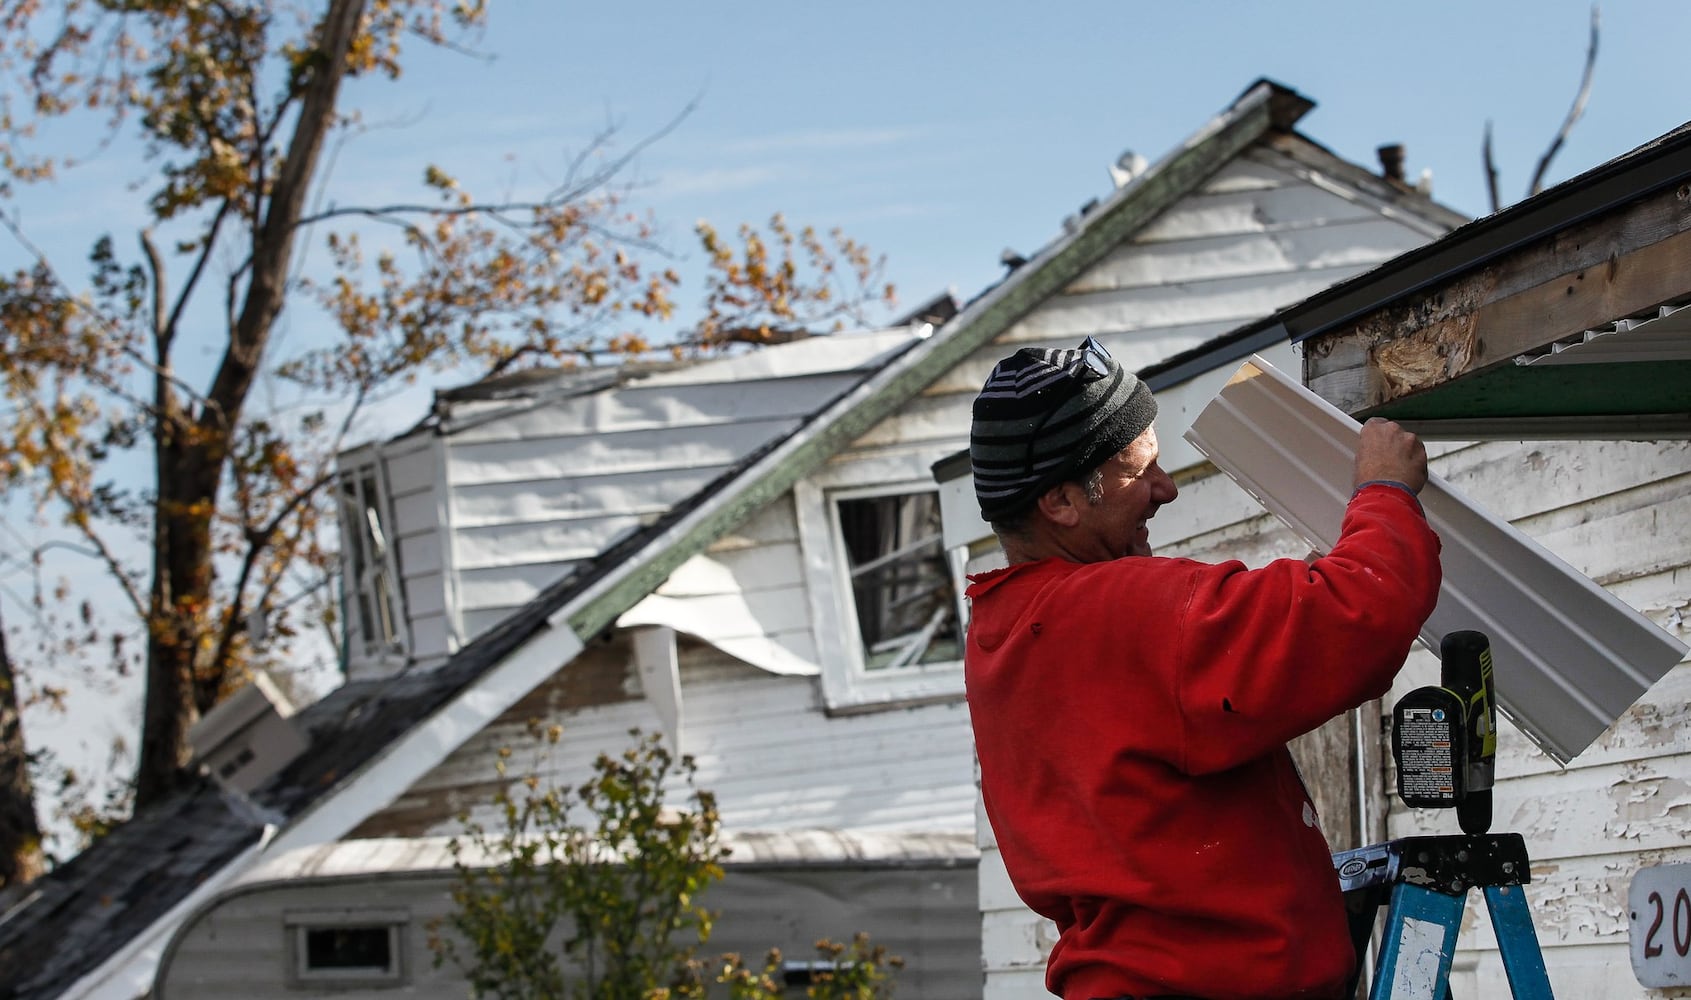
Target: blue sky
941,133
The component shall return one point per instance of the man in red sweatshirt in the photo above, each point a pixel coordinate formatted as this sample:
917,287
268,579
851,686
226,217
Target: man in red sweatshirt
1131,712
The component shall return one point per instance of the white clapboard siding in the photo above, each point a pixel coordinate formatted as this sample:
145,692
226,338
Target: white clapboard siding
771,758
558,540
1135,350
604,454
1363,240
657,405
483,504
1292,207
539,485
1613,510
1239,299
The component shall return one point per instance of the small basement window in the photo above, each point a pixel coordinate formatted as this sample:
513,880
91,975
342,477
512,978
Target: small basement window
351,947
901,580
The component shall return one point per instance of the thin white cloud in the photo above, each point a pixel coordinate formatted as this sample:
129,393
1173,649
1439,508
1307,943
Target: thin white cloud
819,139
695,182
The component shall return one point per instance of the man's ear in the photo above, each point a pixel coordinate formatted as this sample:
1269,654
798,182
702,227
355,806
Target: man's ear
1061,504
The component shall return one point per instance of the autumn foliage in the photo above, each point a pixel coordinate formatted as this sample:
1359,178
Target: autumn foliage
155,424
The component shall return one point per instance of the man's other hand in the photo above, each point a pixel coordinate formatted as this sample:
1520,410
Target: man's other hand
1387,451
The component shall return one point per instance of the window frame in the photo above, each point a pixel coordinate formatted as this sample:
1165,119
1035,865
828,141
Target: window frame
367,471
847,684
299,924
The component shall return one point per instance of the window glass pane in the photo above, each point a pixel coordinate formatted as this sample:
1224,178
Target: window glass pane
355,544
343,949
370,585
900,580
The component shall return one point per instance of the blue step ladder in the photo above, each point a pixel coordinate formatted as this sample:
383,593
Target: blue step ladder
1424,883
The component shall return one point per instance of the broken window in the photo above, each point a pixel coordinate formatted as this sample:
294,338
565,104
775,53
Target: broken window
901,580
372,592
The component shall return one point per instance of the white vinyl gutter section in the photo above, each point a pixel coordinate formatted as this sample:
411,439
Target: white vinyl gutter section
1570,657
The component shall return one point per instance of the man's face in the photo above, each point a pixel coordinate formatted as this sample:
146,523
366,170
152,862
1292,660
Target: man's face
1131,488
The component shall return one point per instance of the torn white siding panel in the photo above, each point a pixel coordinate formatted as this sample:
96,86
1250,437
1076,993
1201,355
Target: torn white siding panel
725,570
733,623
1584,656
746,596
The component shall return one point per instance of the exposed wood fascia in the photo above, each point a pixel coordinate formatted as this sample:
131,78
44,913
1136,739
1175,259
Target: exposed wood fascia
832,431
1574,280
1664,166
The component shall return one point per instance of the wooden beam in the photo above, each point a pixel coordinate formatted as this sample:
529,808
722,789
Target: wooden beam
1570,281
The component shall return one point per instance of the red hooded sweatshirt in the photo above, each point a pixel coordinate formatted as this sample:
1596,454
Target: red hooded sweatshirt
1131,718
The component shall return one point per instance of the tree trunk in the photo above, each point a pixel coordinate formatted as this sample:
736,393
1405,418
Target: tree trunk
190,462
20,834
188,481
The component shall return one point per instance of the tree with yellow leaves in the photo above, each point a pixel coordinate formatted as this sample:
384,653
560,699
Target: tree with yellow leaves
111,427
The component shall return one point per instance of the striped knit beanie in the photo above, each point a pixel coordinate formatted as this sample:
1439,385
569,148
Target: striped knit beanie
1046,416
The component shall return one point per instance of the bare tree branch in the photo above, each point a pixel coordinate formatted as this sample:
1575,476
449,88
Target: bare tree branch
1574,112
1490,169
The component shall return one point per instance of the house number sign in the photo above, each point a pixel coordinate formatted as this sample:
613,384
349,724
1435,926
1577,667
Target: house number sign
1659,917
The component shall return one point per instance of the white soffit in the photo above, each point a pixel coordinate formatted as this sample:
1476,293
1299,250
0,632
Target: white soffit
1663,337
1570,658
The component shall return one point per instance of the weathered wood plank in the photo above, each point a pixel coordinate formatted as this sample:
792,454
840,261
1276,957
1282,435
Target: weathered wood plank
1574,280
